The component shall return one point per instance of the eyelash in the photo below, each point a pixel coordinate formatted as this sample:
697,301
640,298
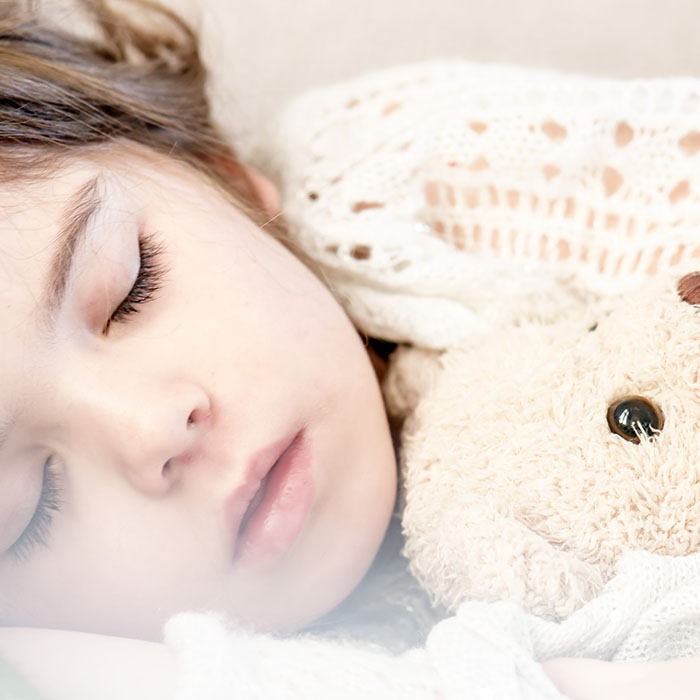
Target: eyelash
37,531
147,283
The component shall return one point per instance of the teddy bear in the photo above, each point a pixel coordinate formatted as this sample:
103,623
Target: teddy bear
536,455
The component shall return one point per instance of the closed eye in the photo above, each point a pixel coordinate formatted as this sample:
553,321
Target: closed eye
36,534
146,285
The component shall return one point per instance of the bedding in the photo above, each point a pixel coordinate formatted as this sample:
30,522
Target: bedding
650,611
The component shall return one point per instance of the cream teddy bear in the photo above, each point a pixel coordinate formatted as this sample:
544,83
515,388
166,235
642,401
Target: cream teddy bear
534,458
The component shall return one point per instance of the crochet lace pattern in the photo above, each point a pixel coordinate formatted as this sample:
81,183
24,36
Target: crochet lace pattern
431,193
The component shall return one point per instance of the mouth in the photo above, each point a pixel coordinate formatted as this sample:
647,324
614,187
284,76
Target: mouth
253,505
269,510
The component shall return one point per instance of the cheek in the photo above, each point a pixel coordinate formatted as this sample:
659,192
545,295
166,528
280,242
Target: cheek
259,302
116,566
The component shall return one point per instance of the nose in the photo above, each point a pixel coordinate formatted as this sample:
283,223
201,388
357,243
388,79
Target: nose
149,431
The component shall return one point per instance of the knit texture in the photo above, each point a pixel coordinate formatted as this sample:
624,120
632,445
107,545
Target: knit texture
445,198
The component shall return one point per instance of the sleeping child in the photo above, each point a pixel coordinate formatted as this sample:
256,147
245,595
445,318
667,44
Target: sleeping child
191,431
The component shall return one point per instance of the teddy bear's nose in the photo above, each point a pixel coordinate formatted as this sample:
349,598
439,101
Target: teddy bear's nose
689,287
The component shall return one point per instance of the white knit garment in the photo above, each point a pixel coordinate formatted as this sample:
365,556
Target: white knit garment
651,610
445,197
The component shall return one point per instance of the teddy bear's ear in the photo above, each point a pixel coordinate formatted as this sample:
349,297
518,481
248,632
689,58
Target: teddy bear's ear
689,288
412,371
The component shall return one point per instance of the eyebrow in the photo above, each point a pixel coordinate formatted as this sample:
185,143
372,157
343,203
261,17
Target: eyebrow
81,209
74,226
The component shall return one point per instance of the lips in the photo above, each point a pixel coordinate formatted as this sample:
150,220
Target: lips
268,511
253,505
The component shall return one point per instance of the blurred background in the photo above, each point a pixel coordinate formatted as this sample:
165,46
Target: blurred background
263,51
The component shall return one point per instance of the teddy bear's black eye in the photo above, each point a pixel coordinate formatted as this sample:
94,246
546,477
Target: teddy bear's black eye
632,415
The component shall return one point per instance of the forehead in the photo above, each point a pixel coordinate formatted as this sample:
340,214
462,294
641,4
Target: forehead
30,209
32,212
30,218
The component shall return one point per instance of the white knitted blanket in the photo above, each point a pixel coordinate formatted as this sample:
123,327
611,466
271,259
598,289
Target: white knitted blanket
445,197
651,610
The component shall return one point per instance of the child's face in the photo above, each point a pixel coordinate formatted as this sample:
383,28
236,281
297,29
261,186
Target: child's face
159,424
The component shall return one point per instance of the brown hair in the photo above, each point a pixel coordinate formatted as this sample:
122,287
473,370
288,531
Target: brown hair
144,83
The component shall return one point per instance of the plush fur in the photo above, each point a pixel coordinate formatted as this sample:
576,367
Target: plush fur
515,487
